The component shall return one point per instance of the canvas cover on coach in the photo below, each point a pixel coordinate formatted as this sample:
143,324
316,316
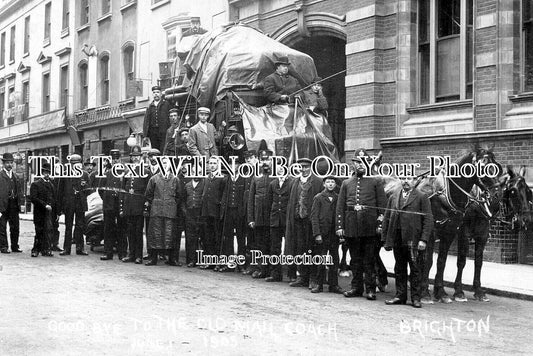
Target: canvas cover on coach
290,131
239,56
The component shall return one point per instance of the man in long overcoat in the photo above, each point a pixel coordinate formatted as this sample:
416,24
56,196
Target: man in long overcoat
10,200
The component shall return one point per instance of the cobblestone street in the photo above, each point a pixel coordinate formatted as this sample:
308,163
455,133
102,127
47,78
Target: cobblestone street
83,306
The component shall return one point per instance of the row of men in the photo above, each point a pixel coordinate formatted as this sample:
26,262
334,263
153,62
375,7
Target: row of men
261,211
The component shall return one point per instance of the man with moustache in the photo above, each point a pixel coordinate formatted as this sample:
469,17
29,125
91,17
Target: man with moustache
299,236
232,215
193,193
358,207
259,211
280,84
73,203
407,226
43,195
114,224
10,200
156,120
211,201
132,207
277,199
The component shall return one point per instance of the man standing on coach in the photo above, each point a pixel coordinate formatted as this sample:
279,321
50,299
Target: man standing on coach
156,121
360,201
10,200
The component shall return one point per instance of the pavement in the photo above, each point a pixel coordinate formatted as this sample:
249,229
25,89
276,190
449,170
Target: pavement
507,280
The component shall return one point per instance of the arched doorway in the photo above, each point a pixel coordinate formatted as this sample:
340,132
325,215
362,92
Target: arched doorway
328,52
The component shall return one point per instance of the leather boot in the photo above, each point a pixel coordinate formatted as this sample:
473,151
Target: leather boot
152,259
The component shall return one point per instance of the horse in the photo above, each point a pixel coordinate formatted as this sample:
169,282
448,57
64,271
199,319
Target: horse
518,200
450,198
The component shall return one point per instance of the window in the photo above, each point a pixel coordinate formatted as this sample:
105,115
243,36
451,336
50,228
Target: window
47,23
84,86
63,85
445,50
104,81
25,99
527,43
171,44
27,35
46,92
12,45
84,12
106,6
11,105
128,63
66,14
2,105
2,49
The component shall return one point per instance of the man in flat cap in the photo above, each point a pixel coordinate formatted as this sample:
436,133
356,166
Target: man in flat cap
203,136
279,85
359,205
314,99
156,120
299,235
171,138
114,224
10,200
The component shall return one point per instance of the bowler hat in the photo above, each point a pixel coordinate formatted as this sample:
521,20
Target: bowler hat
283,60
359,154
88,162
7,157
46,167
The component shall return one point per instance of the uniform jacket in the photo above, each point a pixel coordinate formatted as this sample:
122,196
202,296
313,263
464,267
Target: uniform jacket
202,143
276,85
212,196
43,193
170,141
413,227
164,196
193,195
313,99
367,191
247,184
258,208
72,196
323,213
4,189
290,234
161,110
277,200
133,204
233,195
111,198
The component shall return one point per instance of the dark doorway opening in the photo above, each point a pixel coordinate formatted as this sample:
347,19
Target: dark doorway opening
329,54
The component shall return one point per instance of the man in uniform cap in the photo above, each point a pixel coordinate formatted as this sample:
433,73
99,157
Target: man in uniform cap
250,157
299,234
280,84
114,224
132,207
73,203
357,212
43,195
156,119
203,136
259,211
10,200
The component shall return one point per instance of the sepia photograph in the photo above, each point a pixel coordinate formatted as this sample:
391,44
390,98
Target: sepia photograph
266,177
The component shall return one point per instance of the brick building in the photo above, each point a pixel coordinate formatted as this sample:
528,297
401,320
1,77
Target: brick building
423,77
